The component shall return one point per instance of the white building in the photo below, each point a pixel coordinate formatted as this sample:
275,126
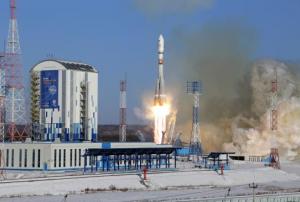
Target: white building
51,156
64,99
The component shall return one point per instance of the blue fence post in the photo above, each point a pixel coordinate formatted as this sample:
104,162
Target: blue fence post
175,158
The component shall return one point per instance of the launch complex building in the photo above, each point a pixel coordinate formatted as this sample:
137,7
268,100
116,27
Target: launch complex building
64,118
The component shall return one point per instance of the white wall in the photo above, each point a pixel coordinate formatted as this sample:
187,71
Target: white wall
47,151
69,100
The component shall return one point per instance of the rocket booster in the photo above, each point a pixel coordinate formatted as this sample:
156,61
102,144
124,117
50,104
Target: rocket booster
160,97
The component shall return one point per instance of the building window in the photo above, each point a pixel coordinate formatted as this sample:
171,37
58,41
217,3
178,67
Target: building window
64,158
20,158
79,157
39,158
54,157
71,159
33,158
59,158
1,158
25,158
75,158
12,157
7,157
46,114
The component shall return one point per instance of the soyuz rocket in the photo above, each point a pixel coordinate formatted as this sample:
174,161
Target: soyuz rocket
160,97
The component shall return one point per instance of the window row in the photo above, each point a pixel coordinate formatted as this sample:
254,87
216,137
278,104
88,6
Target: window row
60,158
9,157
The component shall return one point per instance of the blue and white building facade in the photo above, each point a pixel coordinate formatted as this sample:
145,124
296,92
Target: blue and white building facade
64,101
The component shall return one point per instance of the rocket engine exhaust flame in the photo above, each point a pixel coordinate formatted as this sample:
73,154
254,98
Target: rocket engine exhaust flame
160,122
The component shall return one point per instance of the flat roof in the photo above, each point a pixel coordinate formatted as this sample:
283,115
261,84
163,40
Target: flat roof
72,65
217,154
129,151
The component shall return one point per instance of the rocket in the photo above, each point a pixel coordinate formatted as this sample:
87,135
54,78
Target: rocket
160,97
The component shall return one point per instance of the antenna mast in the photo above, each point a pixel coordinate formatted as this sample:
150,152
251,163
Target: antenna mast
123,125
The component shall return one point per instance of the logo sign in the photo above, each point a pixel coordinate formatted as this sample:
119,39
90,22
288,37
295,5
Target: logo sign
49,89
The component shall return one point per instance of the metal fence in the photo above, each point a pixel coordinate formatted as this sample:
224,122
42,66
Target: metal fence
261,198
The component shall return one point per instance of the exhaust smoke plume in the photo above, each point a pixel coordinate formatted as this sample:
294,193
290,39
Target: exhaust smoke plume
235,105
257,138
219,54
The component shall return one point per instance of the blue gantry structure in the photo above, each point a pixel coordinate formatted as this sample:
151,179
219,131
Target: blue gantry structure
114,159
215,160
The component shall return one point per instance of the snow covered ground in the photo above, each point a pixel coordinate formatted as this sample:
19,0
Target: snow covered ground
128,187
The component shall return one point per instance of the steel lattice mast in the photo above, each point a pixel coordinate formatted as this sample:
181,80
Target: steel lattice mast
274,154
274,114
2,97
15,99
195,88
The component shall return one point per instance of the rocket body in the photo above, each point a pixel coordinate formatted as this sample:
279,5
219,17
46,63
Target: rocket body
161,108
160,97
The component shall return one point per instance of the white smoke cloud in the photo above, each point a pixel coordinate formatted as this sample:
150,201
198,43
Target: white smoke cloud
259,138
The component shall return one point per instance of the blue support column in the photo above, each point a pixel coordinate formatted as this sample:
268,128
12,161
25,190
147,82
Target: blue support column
141,156
114,163
118,162
96,161
175,158
67,135
125,162
159,160
136,162
150,161
129,163
94,136
166,161
107,163
85,163
103,163
91,161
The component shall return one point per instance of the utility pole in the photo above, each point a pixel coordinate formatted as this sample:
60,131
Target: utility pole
253,186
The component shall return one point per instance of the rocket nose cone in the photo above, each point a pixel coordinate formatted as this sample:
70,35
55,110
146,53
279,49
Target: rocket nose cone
161,43
160,37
